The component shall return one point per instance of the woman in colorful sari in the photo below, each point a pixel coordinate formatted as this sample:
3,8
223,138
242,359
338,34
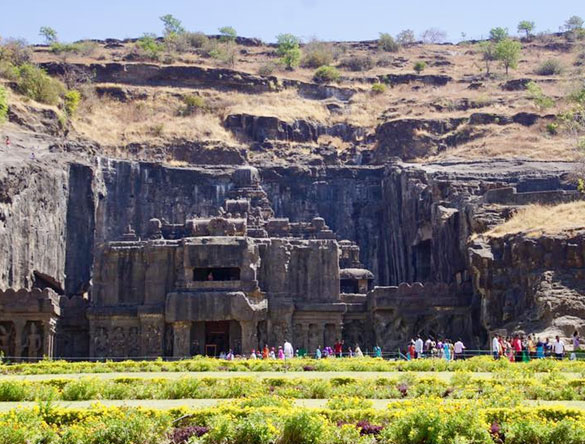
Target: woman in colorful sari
447,350
539,349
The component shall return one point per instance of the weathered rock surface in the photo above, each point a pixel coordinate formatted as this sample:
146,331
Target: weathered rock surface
531,284
262,128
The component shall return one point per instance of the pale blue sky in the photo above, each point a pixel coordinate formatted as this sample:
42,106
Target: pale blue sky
324,19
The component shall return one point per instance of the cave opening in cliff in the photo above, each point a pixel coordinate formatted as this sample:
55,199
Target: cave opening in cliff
216,274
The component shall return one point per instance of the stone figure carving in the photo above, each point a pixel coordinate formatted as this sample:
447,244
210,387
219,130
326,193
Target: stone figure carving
153,341
279,332
133,342
5,339
100,341
169,339
34,342
118,342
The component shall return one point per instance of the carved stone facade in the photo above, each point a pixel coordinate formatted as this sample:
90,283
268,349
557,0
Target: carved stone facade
243,279
28,323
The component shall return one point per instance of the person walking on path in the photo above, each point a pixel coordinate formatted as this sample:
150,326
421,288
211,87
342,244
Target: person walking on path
458,349
559,349
496,348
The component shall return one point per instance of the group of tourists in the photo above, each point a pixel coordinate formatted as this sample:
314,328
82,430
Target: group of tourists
520,348
286,351
442,349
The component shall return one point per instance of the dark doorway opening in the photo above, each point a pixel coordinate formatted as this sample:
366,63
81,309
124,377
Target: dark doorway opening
349,286
217,337
216,274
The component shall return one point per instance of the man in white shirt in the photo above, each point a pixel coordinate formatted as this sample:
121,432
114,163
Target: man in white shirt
559,348
458,349
288,350
418,347
496,349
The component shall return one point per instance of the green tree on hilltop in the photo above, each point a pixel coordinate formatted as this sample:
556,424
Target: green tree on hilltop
172,25
289,50
527,27
574,23
49,34
488,52
227,34
508,52
498,34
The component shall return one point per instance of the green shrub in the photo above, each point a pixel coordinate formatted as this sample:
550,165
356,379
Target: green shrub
419,66
317,54
15,52
172,25
378,88
358,63
549,67
304,427
289,50
34,83
12,391
405,37
71,102
127,427
192,104
255,429
536,94
149,48
267,69
435,425
326,74
81,390
196,39
222,431
552,128
387,43
3,105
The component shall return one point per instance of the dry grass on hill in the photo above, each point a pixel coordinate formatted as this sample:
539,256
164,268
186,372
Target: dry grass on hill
536,220
286,105
111,122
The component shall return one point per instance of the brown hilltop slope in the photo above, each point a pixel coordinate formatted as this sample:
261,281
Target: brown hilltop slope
450,109
441,179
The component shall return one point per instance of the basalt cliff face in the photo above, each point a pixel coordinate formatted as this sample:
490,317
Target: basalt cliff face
413,223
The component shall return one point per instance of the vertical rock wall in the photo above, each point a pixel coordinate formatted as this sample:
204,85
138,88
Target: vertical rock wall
33,209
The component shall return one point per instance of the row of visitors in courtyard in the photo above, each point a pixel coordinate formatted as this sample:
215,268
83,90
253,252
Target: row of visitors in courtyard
443,348
522,349
287,352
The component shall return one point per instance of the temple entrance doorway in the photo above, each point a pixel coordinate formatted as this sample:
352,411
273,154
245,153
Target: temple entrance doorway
217,337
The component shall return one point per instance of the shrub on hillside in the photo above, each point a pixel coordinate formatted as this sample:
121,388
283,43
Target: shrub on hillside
358,63
378,88
498,34
387,43
85,48
71,102
549,67
227,34
267,69
3,105
326,74
196,39
406,37
192,104
419,66
317,54
149,48
34,83
15,52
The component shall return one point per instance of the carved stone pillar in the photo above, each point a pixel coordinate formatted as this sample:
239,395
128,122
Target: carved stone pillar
182,339
249,336
18,332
